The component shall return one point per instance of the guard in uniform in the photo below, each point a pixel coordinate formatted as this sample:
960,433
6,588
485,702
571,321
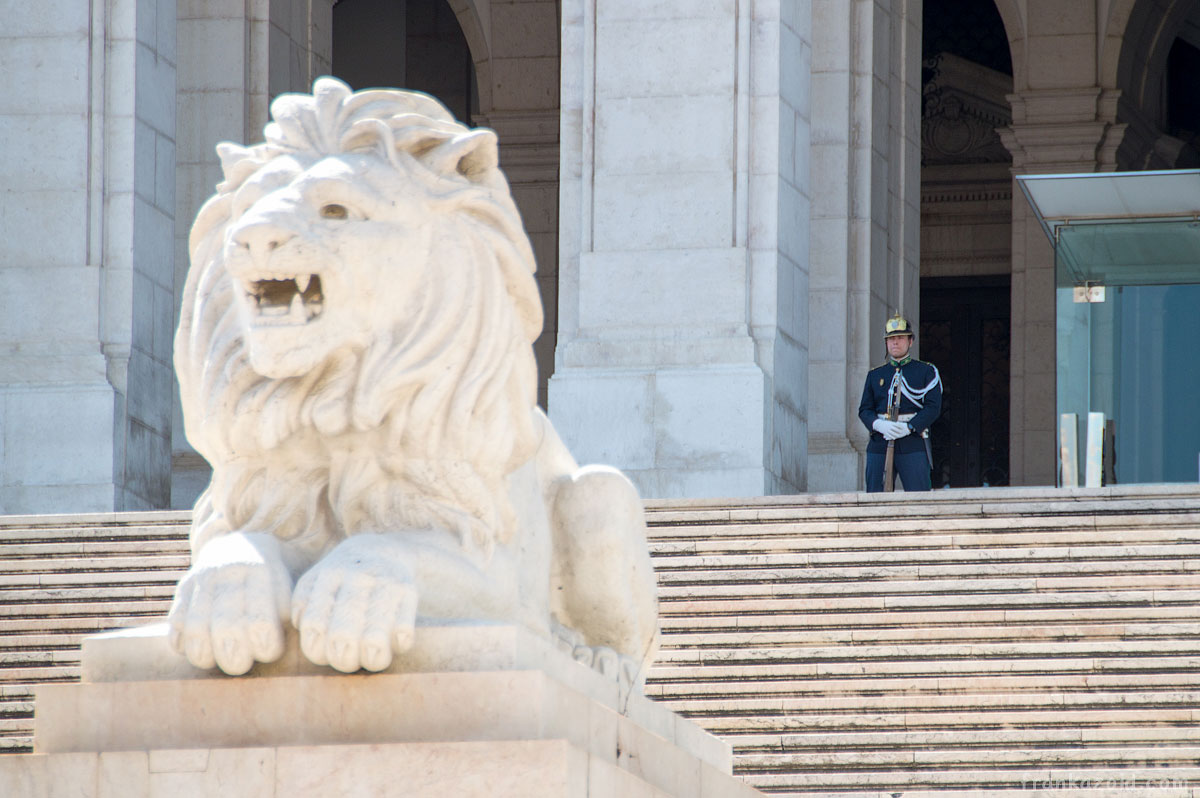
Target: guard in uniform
920,390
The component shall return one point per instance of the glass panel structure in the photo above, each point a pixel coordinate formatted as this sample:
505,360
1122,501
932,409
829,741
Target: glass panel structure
1127,283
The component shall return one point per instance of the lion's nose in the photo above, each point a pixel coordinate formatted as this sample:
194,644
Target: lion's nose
261,238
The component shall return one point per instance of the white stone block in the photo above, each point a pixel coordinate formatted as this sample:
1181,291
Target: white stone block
37,308
214,49
768,288
58,436
154,241
829,403
164,174
53,153
711,483
830,164
830,113
145,157
831,49
709,419
828,252
609,11
46,19
145,22
43,216
685,288
795,222
764,211
155,82
795,68
663,134
656,58
666,211
165,18
605,417
765,64
765,138
58,84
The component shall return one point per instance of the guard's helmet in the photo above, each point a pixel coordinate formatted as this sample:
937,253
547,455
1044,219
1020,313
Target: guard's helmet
897,325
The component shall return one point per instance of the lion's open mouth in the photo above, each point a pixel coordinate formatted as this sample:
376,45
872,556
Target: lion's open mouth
285,300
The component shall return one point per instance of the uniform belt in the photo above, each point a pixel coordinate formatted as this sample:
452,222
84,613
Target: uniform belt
906,417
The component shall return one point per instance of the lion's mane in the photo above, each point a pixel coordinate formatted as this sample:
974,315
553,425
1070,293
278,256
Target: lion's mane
440,434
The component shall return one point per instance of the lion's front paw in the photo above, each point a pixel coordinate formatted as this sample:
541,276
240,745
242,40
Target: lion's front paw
356,607
230,607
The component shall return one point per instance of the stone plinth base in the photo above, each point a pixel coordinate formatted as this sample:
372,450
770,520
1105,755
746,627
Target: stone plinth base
513,730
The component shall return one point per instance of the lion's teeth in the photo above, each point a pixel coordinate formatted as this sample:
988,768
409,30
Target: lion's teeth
296,309
302,282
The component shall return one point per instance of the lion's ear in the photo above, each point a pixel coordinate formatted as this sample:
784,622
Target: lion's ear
473,155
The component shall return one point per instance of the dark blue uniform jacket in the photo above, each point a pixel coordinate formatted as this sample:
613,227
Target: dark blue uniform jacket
920,393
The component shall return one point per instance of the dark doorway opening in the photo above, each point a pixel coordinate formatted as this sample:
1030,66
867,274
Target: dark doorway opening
965,332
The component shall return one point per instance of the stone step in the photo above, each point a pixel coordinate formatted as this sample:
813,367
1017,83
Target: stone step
23,597
691,631
967,758
1035,569
888,668
738,682
1098,602
973,529
992,739
66,567
988,654
80,625
937,710
940,555
1179,777
92,548
900,586
150,607
851,720
758,614
106,579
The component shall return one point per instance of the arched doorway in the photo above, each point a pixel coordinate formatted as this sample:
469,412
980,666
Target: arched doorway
411,44
966,201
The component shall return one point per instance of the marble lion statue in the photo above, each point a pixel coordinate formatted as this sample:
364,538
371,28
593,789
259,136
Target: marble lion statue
355,362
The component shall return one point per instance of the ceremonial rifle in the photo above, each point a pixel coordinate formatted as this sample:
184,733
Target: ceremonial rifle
889,463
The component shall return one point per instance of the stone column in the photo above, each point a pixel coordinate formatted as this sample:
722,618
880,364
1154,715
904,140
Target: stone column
865,219
518,96
682,353
88,126
1054,131
233,58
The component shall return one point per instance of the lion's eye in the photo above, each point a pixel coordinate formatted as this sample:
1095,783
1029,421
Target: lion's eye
334,211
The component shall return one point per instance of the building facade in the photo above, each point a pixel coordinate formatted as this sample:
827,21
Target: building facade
726,199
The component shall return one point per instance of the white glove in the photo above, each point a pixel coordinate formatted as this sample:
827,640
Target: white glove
890,430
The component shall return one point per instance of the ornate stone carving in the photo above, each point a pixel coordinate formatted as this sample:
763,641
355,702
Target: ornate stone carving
355,362
963,104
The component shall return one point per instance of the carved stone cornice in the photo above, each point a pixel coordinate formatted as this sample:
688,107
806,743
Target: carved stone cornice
528,143
1064,130
962,105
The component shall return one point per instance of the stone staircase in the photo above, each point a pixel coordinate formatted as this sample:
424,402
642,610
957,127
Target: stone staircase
64,577
973,641
977,641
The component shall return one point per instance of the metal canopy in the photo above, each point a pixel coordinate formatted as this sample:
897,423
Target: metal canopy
1120,228
1111,196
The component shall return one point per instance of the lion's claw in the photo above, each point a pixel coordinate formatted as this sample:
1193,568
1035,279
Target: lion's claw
357,607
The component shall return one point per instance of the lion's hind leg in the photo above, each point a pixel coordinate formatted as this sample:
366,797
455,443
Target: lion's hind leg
608,591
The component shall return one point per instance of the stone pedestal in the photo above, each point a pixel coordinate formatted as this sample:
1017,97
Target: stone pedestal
487,711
